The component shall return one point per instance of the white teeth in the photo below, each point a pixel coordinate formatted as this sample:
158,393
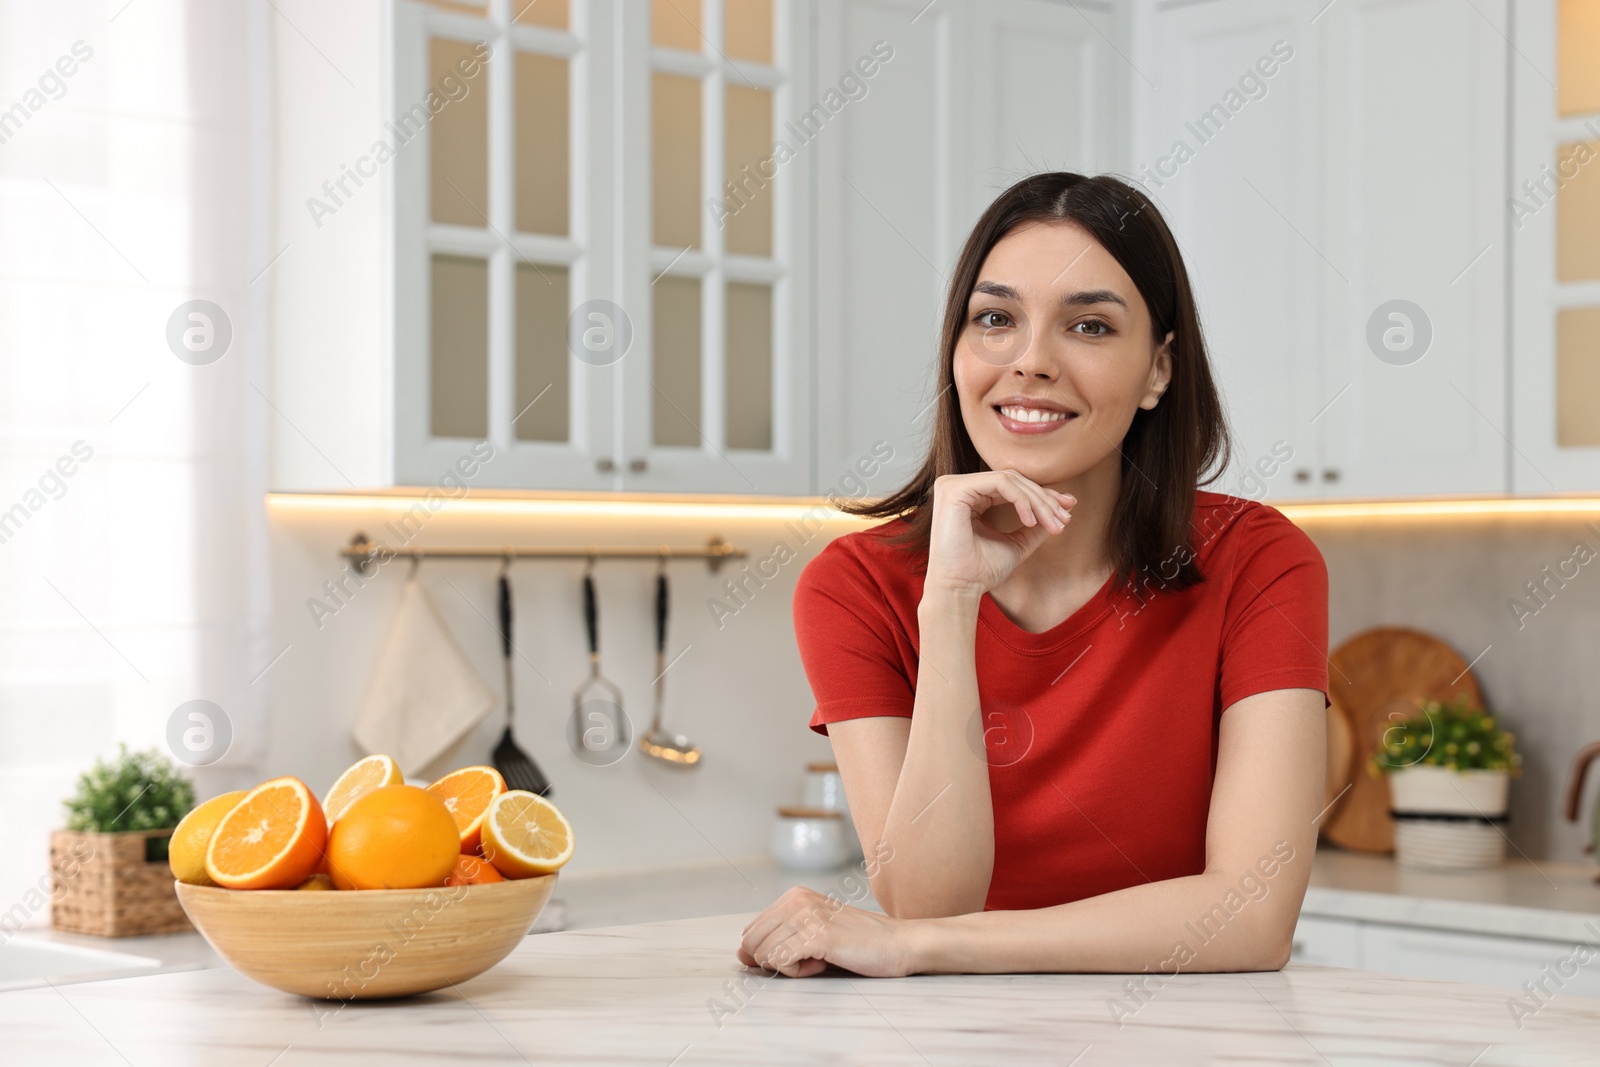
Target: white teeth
1033,414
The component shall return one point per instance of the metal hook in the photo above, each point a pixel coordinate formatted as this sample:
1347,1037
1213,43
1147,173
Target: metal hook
666,554
588,567
416,564
505,562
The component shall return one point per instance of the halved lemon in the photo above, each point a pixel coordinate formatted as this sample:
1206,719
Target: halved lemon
362,776
272,839
186,853
525,835
467,794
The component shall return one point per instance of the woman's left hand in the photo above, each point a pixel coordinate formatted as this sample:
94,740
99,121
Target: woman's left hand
804,931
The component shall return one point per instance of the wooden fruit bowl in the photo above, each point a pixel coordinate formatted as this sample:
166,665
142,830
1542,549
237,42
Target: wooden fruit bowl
362,944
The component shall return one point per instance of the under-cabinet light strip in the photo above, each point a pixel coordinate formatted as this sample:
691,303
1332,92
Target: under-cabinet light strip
819,508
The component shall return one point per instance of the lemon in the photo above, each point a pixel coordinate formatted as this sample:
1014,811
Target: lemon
525,835
359,779
187,852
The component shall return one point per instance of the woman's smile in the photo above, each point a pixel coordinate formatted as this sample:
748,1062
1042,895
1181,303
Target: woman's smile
1031,416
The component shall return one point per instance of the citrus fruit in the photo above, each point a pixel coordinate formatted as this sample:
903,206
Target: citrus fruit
525,835
467,794
315,883
473,870
362,776
271,839
395,837
186,853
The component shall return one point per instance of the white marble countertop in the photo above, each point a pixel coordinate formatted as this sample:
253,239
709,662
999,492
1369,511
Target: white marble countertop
648,994
1554,901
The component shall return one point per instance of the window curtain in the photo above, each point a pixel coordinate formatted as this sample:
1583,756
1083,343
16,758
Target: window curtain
135,140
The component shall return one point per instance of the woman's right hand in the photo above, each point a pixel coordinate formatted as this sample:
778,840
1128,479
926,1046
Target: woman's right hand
966,554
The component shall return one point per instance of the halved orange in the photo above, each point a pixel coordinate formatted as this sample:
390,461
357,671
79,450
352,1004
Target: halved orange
272,839
467,794
362,776
525,835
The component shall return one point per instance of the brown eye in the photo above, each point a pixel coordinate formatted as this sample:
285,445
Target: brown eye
981,316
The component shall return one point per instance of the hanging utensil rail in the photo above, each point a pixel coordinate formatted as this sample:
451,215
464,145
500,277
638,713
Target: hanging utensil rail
365,552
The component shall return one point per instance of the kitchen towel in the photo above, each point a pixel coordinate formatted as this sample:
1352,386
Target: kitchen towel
423,696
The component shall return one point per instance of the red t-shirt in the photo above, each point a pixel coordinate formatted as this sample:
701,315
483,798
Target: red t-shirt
1101,732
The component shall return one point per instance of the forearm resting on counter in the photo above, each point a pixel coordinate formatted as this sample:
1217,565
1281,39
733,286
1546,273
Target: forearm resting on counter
1222,920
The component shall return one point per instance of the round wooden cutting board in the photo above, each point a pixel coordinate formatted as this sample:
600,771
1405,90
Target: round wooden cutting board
1341,760
1379,677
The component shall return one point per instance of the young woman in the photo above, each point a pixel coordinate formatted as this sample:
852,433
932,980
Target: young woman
1077,703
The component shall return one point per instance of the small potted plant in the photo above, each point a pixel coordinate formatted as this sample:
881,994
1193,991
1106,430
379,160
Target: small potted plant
1449,768
109,866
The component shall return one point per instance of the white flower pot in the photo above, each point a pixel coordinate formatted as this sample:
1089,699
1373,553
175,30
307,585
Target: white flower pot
1459,838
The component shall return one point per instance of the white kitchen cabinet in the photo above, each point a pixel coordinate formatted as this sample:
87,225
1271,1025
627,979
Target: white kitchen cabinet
538,260
1241,191
1481,958
684,256
1328,942
1414,149
977,95
1318,161
1448,955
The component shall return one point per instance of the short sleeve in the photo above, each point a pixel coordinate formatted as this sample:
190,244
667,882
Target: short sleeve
1275,634
852,646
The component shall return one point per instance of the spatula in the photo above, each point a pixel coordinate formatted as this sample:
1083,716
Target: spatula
514,765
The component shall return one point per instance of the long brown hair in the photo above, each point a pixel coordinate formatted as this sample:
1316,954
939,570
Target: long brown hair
1168,450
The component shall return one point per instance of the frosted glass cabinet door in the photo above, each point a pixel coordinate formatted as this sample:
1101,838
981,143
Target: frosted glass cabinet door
1555,230
503,249
717,222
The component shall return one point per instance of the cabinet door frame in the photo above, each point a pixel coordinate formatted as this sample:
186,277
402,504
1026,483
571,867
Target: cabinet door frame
420,458
1540,466
713,466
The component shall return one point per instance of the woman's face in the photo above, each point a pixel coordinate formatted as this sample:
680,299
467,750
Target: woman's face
1056,356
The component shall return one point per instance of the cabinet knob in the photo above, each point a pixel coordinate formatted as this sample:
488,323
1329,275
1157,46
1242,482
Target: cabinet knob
1302,475
638,466
1330,474
605,465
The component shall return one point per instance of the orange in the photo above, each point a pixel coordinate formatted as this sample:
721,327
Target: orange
272,839
467,794
525,835
362,776
395,837
472,870
317,882
186,852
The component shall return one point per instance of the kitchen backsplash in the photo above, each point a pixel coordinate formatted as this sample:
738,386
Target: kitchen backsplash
1481,583
737,687
734,685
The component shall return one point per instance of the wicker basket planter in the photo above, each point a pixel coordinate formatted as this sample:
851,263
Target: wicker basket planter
104,885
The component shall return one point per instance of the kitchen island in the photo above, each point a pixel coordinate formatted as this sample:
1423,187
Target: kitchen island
672,993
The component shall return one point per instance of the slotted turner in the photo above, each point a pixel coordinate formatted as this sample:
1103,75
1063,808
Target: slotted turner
514,765
596,688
